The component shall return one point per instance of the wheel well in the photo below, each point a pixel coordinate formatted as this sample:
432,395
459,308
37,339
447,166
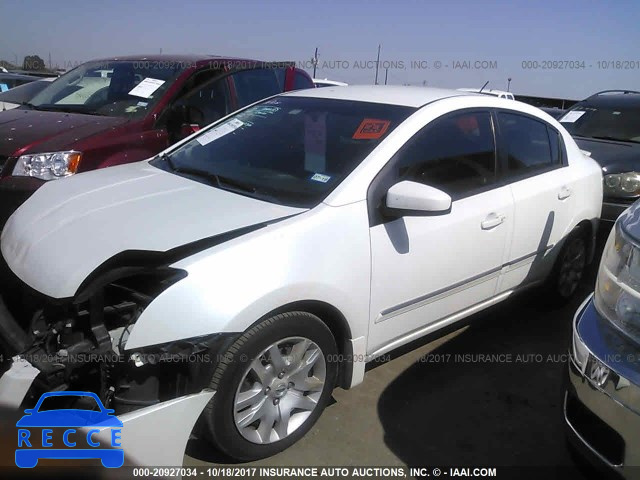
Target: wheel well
337,323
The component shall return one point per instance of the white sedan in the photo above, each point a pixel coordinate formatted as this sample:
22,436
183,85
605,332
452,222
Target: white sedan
270,256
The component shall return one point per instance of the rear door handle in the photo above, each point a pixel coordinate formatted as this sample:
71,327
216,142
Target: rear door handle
492,221
565,192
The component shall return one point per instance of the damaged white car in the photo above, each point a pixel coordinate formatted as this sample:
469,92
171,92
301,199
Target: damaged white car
272,255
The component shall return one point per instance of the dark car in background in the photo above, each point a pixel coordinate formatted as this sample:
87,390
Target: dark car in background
10,80
121,110
22,93
554,112
607,124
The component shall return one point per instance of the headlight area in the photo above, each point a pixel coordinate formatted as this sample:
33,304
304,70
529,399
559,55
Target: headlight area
625,185
156,374
81,345
48,166
617,292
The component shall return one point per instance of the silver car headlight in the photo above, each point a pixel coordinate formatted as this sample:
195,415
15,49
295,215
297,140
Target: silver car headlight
617,293
622,184
48,166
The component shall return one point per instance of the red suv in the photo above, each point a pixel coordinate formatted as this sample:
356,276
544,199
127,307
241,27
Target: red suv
121,110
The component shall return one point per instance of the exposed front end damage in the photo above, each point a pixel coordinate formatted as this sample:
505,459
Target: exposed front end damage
80,344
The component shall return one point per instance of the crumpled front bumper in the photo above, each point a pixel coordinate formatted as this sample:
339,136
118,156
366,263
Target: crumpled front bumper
156,435
151,436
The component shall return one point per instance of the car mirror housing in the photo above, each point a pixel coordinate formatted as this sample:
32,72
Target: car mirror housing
408,198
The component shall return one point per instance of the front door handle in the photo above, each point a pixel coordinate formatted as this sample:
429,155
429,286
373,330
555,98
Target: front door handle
492,221
565,192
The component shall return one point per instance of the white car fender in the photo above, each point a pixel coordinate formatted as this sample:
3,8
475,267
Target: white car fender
587,184
231,286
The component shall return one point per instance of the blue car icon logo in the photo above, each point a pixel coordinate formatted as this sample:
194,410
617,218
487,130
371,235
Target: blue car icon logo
34,445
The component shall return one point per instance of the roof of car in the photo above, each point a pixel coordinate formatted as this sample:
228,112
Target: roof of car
614,100
389,94
329,82
179,58
489,91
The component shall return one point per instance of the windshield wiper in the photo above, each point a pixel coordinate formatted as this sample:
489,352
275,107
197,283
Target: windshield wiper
65,109
220,181
614,139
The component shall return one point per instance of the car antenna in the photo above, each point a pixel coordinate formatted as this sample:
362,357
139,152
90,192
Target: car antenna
480,91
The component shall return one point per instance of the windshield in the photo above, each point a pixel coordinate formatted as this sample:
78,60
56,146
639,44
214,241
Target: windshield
603,122
287,150
117,88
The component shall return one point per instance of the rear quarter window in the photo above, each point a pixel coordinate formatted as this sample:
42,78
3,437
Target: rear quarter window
301,81
254,85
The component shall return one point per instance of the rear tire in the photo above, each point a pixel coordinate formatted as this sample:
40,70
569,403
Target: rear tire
271,386
569,268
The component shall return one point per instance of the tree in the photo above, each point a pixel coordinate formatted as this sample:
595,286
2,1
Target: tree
33,63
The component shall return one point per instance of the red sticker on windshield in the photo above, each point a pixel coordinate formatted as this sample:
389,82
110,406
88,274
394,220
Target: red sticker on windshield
371,129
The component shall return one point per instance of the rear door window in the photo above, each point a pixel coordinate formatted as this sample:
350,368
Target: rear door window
528,147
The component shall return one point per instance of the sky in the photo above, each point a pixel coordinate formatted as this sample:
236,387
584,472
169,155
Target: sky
567,49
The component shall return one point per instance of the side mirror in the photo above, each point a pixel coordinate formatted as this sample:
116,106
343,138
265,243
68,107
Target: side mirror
408,198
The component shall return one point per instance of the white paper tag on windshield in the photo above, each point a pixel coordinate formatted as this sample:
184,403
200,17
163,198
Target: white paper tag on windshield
319,177
220,131
146,87
571,117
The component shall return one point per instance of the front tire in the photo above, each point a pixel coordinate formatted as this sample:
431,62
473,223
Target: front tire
271,386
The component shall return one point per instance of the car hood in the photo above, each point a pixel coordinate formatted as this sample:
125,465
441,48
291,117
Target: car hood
32,131
613,157
630,221
70,227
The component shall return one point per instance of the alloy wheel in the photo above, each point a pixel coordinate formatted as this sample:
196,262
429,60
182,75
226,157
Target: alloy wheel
280,390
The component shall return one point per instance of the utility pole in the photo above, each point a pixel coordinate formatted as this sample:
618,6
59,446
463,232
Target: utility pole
377,63
508,84
386,74
314,60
